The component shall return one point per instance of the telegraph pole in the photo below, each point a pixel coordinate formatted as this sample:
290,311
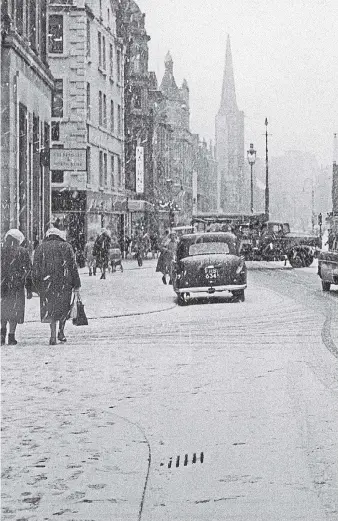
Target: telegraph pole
267,194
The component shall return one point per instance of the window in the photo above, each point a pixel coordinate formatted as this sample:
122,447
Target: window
57,102
112,170
209,248
55,34
100,108
32,24
101,168
88,37
119,120
100,48
111,60
119,171
118,64
104,110
55,130
137,97
19,16
104,52
89,157
88,100
112,117
57,176
105,170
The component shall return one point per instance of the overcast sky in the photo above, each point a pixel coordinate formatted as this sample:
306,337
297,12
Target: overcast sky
285,56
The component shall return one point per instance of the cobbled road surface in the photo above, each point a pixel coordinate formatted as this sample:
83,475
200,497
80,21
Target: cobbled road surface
212,411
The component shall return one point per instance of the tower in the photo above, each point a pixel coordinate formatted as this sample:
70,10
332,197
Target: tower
229,143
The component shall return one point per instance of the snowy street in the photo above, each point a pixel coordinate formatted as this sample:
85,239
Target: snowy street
92,429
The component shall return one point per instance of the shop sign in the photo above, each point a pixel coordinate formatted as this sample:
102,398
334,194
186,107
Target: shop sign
139,170
68,159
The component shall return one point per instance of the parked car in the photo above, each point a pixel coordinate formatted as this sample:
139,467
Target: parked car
208,263
328,266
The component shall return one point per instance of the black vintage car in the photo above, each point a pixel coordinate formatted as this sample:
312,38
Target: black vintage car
208,263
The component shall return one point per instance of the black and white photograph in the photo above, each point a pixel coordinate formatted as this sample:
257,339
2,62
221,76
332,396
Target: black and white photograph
169,260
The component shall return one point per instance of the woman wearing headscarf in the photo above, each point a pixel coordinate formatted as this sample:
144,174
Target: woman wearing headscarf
101,251
55,277
15,277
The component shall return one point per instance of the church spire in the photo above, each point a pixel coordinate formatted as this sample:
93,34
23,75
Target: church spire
228,101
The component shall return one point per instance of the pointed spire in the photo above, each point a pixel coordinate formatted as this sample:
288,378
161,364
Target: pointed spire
168,63
228,101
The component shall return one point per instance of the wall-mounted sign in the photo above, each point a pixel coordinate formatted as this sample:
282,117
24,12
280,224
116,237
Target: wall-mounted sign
68,159
139,170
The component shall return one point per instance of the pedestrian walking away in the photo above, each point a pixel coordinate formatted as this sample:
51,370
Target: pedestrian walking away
101,251
90,259
55,277
16,275
164,259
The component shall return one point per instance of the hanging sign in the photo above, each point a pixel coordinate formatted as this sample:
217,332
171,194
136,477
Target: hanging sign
139,170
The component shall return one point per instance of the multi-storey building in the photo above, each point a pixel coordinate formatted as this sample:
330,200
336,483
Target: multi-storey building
205,170
87,157
230,144
138,122
176,107
26,87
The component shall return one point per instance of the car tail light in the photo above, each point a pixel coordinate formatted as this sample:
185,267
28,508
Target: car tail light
240,266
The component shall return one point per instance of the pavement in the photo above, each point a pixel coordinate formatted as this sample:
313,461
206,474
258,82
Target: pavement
89,427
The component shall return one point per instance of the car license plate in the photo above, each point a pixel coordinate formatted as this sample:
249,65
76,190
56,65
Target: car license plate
211,273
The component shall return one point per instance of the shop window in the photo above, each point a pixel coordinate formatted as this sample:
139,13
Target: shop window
55,34
57,102
57,176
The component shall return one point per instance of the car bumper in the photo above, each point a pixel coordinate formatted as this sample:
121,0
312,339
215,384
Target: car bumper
212,289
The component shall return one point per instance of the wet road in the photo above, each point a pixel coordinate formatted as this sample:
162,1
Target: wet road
253,386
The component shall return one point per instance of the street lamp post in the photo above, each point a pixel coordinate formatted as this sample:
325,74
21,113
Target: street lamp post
251,159
267,193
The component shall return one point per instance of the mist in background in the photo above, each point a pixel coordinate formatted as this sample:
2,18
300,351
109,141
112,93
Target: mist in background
285,58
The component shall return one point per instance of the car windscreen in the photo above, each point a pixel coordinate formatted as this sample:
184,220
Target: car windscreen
202,248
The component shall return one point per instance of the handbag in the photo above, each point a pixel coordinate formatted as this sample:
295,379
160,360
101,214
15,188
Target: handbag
81,318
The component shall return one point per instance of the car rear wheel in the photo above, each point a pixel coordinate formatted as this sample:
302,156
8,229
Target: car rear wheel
239,295
326,285
181,299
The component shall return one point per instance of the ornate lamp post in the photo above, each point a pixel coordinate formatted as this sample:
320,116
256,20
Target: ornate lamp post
251,153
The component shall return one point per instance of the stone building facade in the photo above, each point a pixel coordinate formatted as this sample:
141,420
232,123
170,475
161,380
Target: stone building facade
26,89
87,157
176,108
230,144
138,115
205,169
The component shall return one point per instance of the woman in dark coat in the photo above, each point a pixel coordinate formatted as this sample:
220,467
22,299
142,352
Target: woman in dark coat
101,251
15,276
55,276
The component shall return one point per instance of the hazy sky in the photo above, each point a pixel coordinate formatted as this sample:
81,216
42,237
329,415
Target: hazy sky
285,56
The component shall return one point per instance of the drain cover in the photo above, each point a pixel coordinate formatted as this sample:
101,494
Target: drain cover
184,460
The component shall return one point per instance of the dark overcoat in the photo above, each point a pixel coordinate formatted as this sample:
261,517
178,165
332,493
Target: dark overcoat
55,275
15,276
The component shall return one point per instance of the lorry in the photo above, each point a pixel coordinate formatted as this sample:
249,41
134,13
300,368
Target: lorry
260,239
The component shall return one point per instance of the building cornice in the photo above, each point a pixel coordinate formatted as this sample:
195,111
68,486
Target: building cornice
14,41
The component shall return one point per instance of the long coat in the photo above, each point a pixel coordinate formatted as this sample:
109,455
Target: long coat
101,250
55,275
15,276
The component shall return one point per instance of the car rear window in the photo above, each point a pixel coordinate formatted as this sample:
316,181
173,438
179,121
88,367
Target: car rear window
203,248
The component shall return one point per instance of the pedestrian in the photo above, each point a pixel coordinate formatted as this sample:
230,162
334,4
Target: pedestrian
163,260
16,275
90,259
55,276
101,251
154,245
